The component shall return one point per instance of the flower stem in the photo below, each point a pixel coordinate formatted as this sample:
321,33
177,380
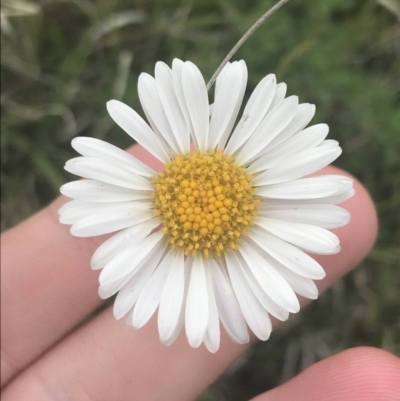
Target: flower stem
243,39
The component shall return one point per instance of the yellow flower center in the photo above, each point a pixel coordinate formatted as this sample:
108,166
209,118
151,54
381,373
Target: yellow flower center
206,202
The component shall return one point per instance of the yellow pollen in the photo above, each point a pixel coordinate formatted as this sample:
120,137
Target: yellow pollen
206,202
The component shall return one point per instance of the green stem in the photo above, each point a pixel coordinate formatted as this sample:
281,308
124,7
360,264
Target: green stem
243,39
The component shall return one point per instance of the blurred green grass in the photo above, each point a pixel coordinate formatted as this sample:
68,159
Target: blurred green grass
62,60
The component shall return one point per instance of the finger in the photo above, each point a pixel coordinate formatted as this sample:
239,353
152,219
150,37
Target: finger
47,285
105,352
358,374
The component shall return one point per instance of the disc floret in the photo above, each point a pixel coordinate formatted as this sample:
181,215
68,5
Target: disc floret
206,202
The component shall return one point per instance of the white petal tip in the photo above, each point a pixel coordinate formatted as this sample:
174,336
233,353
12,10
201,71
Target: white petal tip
112,106
241,341
167,342
95,266
195,342
101,295
137,325
295,307
264,337
213,349
72,231
76,232
117,314
319,276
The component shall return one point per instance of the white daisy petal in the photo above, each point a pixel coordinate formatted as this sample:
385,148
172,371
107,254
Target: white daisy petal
137,128
111,247
306,188
113,173
197,313
128,318
118,242
170,103
77,210
339,198
270,280
196,97
212,336
346,180
73,211
70,167
230,102
301,285
177,330
254,112
67,205
171,301
288,255
129,260
307,139
150,296
227,97
98,149
130,292
226,67
270,127
310,238
154,110
272,307
304,114
325,216
97,192
280,93
181,320
105,223
177,68
256,316
108,289
228,307
299,165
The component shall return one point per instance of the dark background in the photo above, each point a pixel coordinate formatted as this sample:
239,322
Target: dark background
62,60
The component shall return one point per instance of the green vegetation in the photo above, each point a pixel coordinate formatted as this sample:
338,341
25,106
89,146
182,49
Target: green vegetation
62,60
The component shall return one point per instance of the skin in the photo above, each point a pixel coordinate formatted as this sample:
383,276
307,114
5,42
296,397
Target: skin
48,289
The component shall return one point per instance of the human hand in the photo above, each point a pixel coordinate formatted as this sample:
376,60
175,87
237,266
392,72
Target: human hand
48,289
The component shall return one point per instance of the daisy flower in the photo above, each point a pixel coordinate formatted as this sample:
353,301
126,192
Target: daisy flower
224,232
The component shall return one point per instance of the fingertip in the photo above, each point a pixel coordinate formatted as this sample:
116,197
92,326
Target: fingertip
357,374
358,236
